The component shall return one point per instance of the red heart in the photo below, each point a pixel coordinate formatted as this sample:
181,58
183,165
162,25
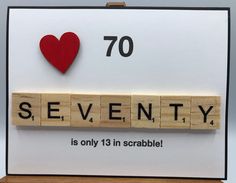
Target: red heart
60,53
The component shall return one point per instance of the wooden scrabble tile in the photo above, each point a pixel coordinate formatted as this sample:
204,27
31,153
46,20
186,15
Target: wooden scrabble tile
175,111
145,111
85,110
115,111
205,112
55,110
26,109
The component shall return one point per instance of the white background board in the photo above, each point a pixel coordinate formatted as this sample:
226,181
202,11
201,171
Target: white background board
175,52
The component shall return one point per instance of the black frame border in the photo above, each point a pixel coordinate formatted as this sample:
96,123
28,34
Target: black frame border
123,8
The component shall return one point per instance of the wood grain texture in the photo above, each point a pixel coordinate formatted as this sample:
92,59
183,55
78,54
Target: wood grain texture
78,179
115,111
115,4
85,110
208,105
151,105
168,119
60,110
29,101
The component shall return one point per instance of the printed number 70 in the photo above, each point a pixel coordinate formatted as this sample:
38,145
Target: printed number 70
113,39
